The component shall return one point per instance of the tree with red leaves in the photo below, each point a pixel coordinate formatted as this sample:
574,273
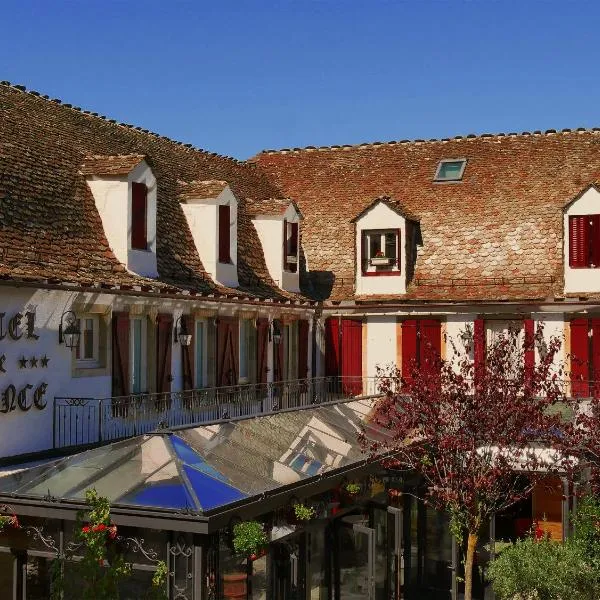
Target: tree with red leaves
480,433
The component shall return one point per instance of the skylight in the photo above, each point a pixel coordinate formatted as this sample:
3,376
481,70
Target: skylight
450,170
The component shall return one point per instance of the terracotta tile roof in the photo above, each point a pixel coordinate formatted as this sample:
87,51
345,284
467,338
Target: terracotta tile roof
50,228
195,190
116,165
391,203
499,227
270,206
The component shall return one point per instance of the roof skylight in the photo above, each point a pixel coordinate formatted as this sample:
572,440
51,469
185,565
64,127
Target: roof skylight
450,170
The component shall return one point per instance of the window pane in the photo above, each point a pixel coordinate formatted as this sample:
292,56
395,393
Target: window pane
78,350
200,354
88,339
390,244
136,386
450,170
38,578
374,244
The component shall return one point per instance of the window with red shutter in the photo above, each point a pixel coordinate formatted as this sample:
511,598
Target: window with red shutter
584,241
224,239
580,357
381,252
139,194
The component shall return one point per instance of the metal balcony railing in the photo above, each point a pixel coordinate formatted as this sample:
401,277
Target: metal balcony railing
85,421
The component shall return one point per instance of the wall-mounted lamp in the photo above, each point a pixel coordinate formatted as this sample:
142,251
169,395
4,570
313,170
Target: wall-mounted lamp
68,330
466,335
542,348
180,333
275,331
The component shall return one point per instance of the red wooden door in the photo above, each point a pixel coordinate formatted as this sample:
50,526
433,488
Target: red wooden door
262,354
410,357
227,351
351,356
164,332
120,354
187,353
580,358
332,347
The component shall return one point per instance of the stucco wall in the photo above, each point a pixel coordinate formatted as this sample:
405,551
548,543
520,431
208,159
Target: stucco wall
381,343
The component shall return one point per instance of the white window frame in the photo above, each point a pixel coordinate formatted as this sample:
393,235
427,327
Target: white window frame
366,240
200,379
143,353
244,350
446,161
94,361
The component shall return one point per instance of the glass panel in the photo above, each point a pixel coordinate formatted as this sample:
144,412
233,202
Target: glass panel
38,578
136,587
380,558
319,566
211,492
200,358
390,244
233,571
88,339
374,244
136,368
353,556
7,579
258,579
450,170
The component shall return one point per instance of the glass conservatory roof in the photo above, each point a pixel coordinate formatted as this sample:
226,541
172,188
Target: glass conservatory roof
205,467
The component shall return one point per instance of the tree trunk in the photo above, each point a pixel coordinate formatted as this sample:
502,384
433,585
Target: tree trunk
471,544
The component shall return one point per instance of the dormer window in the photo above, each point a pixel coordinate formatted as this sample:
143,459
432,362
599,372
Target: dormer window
139,208
584,241
224,235
290,246
381,252
450,170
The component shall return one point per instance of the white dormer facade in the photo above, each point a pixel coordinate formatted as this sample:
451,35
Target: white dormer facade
213,224
381,250
127,207
581,239
279,236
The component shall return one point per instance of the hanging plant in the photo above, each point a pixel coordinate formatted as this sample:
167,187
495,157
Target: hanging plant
249,537
8,521
304,512
353,489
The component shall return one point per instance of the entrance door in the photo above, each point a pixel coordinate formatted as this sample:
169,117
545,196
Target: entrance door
355,573
286,568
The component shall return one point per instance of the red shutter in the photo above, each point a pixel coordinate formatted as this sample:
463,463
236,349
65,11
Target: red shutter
302,349
580,358
352,356
479,348
139,194
293,250
578,243
410,357
595,362
227,351
363,252
262,354
164,343
593,240
529,328
187,353
224,240
120,354
332,347
430,344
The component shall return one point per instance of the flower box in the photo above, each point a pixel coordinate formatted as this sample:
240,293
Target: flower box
292,259
381,261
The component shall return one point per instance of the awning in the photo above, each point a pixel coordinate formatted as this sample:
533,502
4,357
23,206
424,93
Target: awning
206,468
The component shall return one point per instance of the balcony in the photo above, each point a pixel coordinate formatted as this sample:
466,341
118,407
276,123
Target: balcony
90,421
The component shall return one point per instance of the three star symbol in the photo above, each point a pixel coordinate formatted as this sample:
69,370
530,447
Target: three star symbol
33,362
22,363
44,361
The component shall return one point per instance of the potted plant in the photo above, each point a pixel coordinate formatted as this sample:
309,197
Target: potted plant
304,512
7,521
380,259
250,539
352,488
291,259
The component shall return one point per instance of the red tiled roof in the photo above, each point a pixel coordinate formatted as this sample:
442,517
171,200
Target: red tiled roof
498,227
115,165
195,190
50,228
391,203
269,206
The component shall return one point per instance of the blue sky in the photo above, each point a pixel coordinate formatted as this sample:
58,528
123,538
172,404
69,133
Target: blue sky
239,76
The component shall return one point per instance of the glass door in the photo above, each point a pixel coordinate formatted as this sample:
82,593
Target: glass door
355,555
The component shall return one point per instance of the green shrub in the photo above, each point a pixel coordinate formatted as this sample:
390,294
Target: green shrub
304,512
249,537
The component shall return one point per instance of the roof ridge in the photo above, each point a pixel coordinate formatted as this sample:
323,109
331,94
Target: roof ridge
470,136
187,146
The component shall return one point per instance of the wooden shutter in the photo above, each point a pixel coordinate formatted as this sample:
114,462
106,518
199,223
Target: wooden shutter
164,331
188,352
303,349
351,356
293,250
252,355
479,348
430,343
332,347
139,209
593,240
211,352
580,358
262,350
224,240
120,354
529,329
578,243
364,255
594,372
227,351
409,348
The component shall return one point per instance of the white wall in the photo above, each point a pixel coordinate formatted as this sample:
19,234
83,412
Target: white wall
202,216
381,216
582,279
381,343
270,234
112,197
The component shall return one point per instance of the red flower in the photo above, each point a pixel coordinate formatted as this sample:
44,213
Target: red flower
99,527
112,532
85,529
